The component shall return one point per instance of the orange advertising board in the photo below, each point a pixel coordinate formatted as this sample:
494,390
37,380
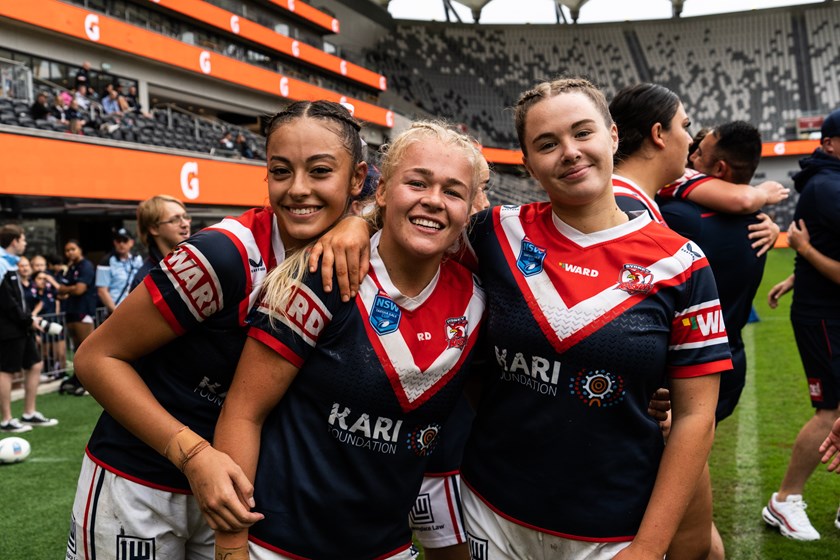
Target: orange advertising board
82,170
97,28
247,29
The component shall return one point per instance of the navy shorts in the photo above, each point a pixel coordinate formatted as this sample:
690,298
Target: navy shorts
17,354
818,341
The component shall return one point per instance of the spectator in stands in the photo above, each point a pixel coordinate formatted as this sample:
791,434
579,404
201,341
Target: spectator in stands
81,98
76,118
244,147
18,351
83,75
226,141
131,100
112,103
60,110
77,283
162,223
40,108
115,272
815,316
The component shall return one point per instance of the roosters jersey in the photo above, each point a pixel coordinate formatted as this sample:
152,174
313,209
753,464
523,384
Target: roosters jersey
204,289
582,329
343,452
738,271
683,186
630,197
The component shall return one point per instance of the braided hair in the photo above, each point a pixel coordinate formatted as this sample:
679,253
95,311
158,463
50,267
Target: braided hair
348,127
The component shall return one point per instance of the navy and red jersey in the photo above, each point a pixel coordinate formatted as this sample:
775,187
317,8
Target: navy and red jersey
630,197
738,271
343,452
81,272
582,329
816,297
204,289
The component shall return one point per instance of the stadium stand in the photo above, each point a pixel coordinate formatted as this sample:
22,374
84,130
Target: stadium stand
724,67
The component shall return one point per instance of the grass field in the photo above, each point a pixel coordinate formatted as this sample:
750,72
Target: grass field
749,457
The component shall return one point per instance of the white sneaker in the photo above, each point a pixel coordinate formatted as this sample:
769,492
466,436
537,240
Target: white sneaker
14,426
790,517
837,519
37,419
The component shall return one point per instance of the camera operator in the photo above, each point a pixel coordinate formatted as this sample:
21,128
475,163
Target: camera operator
18,350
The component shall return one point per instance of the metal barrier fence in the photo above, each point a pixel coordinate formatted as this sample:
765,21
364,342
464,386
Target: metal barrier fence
15,80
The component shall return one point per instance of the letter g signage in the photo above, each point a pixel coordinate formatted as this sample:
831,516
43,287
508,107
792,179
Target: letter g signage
189,180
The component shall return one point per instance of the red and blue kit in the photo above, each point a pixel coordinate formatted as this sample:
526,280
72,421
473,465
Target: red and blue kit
343,452
630,197
738,270
581,330
204,289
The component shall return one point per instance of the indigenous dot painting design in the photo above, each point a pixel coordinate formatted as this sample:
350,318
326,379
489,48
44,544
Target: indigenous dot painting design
597,387
423,440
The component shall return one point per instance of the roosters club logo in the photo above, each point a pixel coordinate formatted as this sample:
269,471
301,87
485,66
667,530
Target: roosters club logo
635,279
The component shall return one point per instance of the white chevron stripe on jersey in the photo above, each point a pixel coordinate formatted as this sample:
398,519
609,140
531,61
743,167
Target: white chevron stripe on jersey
246,237
414,381
566,321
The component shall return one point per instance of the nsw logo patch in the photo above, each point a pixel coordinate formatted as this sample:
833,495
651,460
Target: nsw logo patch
531,257
384,315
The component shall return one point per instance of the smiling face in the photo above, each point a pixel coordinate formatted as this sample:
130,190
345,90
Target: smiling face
311,176
570,151
426,200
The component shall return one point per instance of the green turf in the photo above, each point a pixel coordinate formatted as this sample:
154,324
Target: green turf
752,447
38,493
748,460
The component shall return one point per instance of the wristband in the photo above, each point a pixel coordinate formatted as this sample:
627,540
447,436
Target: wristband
183,446
224,553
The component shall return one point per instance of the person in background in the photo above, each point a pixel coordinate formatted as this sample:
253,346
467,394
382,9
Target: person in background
815,316
244,147
18,351
40,108
77,284
116,271
162,223
730,153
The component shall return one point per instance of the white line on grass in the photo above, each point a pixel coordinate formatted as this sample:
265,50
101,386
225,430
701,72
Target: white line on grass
748,498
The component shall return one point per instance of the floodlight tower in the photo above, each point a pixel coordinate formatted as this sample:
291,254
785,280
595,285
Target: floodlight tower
574,7
476,6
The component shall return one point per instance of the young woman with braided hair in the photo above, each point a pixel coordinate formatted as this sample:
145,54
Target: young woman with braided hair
162,363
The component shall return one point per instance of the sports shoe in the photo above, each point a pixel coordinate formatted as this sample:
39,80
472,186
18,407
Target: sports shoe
837,519
14,426
37,419
790,517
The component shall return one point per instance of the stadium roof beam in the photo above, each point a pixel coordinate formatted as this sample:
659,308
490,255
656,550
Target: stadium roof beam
574,7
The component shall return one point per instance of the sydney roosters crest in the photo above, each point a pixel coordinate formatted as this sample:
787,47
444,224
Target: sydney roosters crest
456,332
635,279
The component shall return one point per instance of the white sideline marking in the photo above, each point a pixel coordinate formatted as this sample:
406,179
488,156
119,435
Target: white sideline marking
748,498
